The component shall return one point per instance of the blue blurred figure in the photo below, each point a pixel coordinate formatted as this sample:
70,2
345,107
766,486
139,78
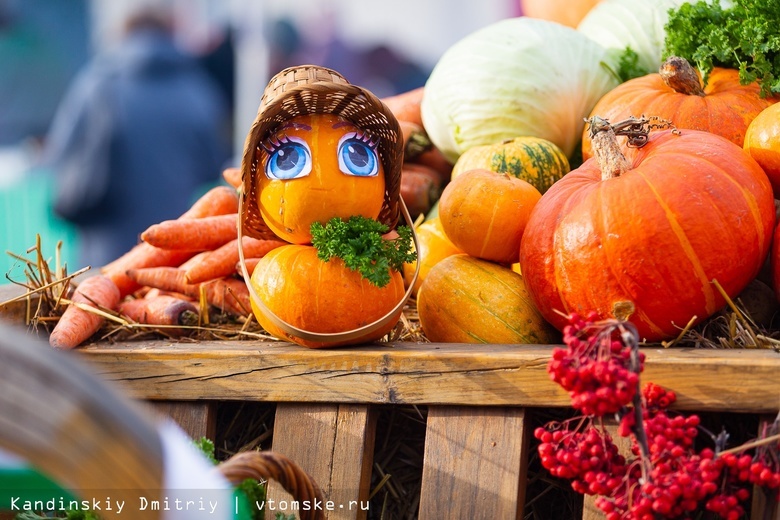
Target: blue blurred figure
141,133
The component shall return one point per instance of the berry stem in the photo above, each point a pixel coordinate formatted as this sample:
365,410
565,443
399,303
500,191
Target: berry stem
752,444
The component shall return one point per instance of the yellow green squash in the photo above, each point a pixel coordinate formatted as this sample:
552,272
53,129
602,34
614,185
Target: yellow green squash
532,159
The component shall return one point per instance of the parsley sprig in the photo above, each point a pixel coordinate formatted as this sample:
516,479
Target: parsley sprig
745,37
359,243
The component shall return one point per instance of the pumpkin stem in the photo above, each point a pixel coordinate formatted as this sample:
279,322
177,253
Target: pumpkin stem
681,77
612,162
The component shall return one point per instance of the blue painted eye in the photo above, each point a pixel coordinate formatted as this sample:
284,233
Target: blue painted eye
290,159
357,157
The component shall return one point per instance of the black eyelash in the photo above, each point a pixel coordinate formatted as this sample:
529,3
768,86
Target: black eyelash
273,143
366,138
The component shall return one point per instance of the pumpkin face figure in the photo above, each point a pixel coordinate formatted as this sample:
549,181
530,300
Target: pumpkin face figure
316,167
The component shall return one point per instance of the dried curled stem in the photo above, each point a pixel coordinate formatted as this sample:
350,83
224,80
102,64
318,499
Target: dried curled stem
603,135
681,77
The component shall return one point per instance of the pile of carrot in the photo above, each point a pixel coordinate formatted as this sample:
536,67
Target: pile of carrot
180,268
425,170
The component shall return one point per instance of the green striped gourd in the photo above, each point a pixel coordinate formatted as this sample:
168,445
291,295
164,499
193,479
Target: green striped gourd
533,159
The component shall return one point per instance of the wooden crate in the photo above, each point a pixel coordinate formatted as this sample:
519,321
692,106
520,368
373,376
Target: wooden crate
478,398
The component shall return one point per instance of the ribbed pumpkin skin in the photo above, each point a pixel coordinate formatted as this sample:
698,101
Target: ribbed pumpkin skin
468,300
537,161
762,142
485,214
320,296
691,208
726,110
434,247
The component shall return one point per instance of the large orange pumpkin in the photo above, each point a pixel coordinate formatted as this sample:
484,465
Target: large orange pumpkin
723,106
762,142
314,168
653,228
484,213
321,297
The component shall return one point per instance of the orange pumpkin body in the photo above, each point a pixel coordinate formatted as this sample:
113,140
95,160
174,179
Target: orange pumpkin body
762,142
434,247
322,297
485,213
566,12
689,209
725,109
290,206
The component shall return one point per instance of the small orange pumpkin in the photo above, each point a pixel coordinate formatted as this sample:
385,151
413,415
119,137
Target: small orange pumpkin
762,142
485,213
321,297
316,167
723,107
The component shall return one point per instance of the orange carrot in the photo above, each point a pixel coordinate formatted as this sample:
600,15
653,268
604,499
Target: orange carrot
406,105
197,234
228,294
250,263
221,262
420,188
433,158
221,200
232,176
194,260
77,325
163,309
416,141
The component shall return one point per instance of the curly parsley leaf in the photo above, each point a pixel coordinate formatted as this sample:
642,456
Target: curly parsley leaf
359,243
744,36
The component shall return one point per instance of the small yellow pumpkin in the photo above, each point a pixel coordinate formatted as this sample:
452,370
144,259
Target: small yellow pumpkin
314,168
434,247
468,300
535,160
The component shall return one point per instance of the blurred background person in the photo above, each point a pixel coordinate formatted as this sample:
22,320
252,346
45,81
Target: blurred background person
139,135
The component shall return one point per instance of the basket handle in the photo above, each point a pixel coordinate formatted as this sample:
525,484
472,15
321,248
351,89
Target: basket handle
268,465
325,337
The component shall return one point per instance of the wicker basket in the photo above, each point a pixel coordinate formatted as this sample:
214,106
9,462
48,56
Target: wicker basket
310,89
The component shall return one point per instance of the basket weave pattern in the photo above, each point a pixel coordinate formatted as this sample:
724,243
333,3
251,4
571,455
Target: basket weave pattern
268,465
311,89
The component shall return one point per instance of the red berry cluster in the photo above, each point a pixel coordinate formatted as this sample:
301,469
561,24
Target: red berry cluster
667,478
588,458
595,368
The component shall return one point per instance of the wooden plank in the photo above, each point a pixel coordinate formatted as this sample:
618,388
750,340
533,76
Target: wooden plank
406,373
197,418
475,463
334,444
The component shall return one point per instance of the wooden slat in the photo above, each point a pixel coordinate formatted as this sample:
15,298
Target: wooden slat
474,464
405,373
197,418
334,444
